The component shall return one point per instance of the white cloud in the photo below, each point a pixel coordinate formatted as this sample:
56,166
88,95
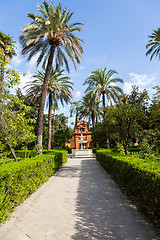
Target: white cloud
143,81
78,94
18,59
81,68
33,62
127,87
24,80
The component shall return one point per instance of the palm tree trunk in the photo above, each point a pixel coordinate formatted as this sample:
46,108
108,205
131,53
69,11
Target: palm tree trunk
50,119
93,119
96,118
54,115
43,97
104,105
76,120
89,119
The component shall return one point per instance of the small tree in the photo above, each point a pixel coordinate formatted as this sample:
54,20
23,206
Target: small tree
15,128
125,122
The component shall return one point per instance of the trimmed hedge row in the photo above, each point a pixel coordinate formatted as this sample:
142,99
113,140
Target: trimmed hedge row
139,177
21,154
32,153
19,179
61,154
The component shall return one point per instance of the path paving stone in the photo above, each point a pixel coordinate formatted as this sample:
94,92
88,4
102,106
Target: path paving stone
79,202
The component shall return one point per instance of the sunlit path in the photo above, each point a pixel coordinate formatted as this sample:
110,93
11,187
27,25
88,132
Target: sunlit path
78,202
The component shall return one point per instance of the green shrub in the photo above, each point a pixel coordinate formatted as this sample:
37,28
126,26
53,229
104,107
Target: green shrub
6,160
61,154
146,149
68,149
134,149
139,177
120,149
19,179
21,154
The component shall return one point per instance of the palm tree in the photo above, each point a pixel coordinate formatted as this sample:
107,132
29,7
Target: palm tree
89,107
74,110
51,36
102,84
153,45
59,89
7,51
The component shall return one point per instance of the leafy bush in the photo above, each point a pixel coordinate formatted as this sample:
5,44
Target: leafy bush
6,160
134,149
61,154
19,179
146,149
68,149
120,149
139,177
21,154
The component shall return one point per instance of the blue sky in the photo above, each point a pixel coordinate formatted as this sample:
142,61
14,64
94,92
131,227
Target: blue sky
115,34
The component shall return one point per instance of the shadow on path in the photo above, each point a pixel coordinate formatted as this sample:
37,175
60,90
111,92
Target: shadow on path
103,211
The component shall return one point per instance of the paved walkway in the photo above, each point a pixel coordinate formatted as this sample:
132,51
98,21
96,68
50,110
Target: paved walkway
79,202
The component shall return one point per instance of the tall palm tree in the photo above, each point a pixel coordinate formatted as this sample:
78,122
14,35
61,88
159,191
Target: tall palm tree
90,108
153,45
102,84
59,89
74,110
51,35
7,51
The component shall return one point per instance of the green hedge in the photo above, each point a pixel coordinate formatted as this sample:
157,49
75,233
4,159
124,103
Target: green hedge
69,150
21,154
62,154
19,179
140,178
134,149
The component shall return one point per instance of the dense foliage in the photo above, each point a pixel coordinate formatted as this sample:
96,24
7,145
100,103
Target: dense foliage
60,131
138,177
131,120
19,179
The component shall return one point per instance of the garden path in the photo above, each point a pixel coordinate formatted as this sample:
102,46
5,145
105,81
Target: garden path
79,202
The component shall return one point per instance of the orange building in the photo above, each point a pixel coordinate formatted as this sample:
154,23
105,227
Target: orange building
81,129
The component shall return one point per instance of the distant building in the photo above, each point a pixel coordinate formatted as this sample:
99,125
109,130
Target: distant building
83,129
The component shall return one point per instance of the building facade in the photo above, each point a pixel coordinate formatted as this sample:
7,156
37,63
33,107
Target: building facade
82,129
